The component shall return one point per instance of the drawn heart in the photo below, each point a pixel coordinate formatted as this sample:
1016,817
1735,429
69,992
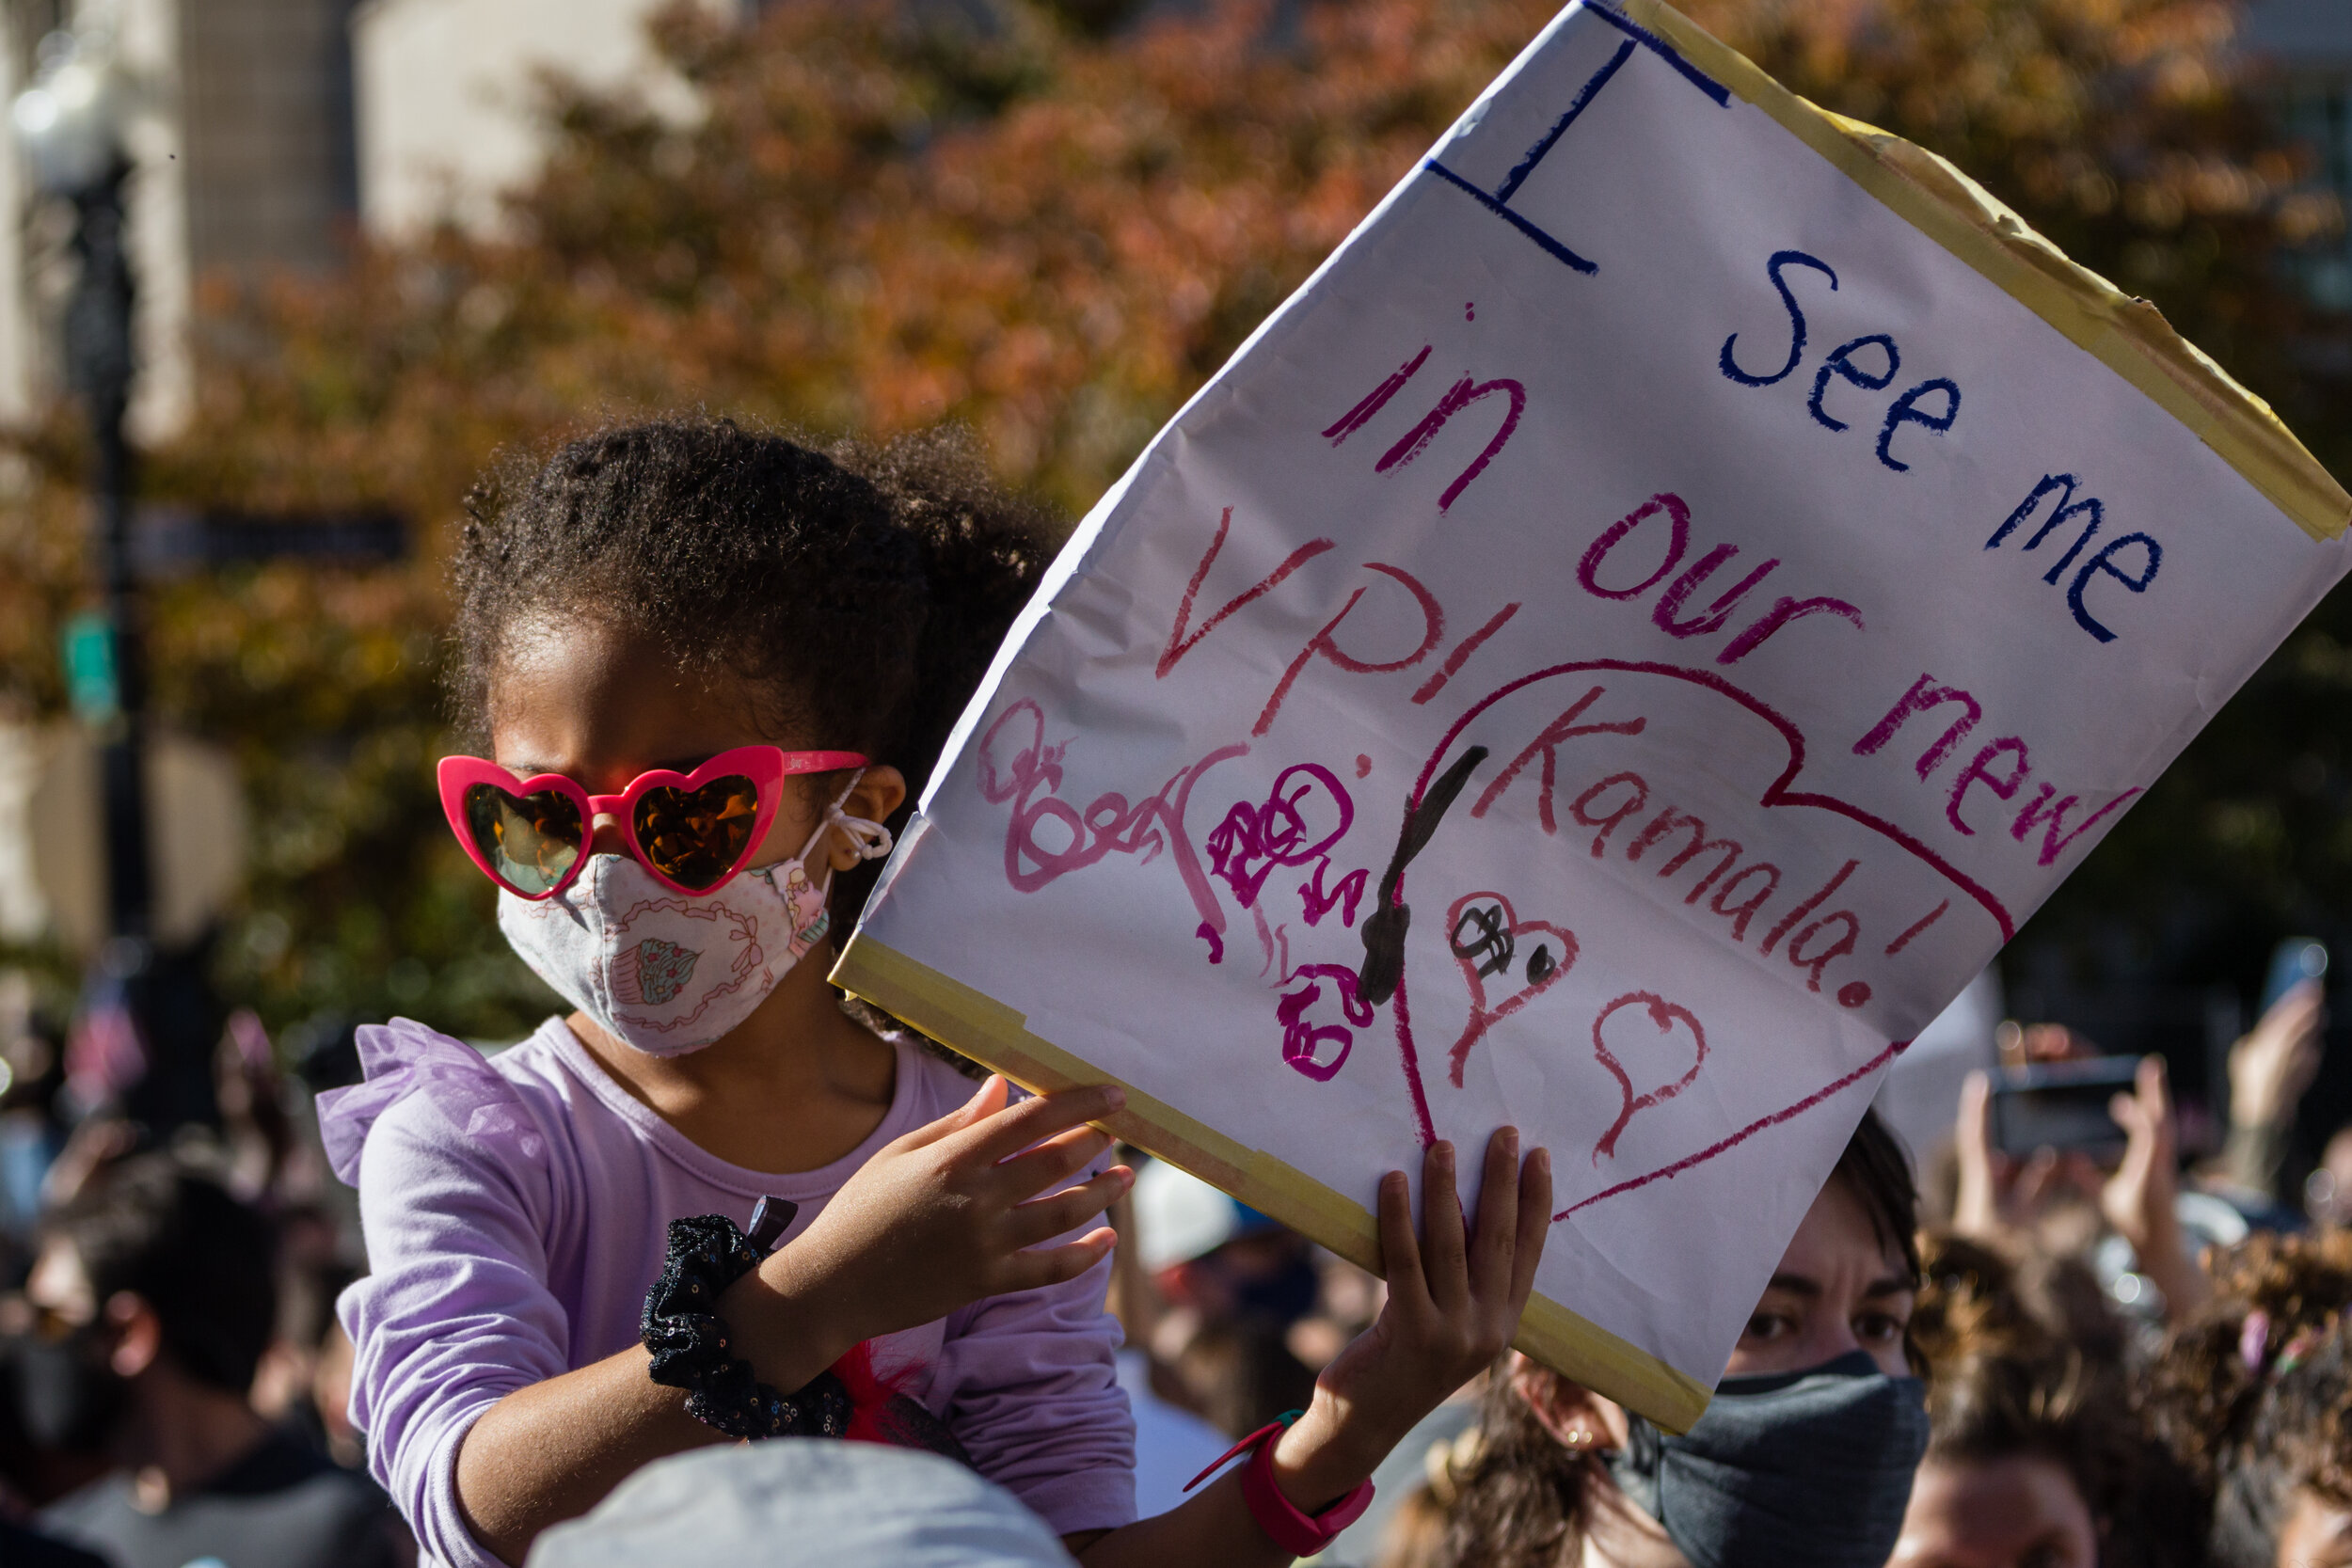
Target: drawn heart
1489,940
1442,778
1665,1015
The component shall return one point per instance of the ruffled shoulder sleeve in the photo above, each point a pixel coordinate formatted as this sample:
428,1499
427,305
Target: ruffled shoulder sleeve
403,1058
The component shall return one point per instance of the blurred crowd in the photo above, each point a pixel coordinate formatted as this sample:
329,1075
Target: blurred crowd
173,1383
2130,1357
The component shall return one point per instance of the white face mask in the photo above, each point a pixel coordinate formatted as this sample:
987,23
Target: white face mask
667,972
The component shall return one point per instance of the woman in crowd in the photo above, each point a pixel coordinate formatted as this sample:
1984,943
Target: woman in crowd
2036,1458
711,664
1805,1456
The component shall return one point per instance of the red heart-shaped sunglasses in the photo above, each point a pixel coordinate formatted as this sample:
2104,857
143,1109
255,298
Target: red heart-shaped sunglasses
692,831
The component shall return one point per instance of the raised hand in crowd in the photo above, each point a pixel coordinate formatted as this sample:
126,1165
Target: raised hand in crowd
2270,1067
2000,1195
1457,1284
2140,1199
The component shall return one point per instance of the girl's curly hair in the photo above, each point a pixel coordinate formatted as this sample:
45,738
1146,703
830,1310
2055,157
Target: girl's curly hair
858,590
2254,1392
2299,1440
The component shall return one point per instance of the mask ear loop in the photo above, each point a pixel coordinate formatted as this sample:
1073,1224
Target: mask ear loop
871,839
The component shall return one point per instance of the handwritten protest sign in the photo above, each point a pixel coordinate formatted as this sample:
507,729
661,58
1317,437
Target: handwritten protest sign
1615,653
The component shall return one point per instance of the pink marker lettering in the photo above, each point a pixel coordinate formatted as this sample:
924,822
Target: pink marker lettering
1433,622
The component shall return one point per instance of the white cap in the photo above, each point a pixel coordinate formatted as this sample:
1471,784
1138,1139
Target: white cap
803,1502
1180,1218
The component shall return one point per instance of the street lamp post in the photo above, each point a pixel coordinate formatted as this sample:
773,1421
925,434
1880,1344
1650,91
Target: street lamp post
70,125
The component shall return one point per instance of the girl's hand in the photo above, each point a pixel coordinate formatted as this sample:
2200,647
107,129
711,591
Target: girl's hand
936,1220
1453,1306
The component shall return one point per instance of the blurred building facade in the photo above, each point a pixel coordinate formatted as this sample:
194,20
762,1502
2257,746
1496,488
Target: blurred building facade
271,132
2308,44
274,130
35,273
265,119
447,89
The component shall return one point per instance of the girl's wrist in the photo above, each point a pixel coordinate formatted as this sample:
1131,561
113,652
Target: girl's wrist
781,1325
1324,1455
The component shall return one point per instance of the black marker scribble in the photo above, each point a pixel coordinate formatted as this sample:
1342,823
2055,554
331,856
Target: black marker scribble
1384,928
1489,944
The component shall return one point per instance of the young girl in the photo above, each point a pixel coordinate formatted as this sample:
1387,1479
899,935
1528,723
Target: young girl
697,654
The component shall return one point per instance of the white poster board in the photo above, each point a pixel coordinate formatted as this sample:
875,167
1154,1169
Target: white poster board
1615,653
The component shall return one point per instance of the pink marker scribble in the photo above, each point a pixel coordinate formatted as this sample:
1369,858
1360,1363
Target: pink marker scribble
1787,1113
1305,1042
1253,841
1047,838
1458,397
1344,895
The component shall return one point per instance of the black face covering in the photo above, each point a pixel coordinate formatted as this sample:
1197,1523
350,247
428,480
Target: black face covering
67,1397
1810,1467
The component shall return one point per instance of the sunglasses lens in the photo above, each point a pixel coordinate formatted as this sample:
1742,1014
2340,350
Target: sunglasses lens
530,841
695,837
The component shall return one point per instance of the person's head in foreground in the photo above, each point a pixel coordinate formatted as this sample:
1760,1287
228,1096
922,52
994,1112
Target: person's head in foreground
2255,1394
799,1502
2035,1457
1804,1455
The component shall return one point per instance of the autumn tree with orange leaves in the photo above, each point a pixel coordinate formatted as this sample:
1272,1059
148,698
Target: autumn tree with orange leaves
1051,226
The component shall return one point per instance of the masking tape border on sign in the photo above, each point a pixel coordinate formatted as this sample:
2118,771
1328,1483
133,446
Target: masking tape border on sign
998,1037
2129,336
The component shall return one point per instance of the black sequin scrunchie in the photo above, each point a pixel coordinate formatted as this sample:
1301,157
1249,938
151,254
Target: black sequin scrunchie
690,1344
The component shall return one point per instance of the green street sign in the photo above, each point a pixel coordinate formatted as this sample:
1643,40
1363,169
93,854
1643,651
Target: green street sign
93,684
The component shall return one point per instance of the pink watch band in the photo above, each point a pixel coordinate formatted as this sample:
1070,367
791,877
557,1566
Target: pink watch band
1300,1534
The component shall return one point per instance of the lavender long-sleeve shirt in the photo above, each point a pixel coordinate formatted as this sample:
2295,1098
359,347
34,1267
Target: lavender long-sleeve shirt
515,1212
